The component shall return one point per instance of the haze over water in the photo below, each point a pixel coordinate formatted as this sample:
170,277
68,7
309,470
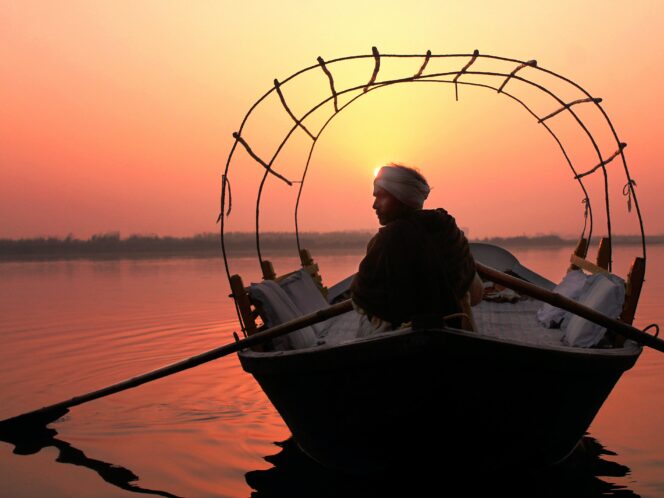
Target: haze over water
68,327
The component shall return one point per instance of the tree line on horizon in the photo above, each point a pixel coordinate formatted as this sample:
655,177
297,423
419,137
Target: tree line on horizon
111,243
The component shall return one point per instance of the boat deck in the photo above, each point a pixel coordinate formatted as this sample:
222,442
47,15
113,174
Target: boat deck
513,322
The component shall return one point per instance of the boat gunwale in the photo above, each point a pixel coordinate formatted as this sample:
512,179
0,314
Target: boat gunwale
480,344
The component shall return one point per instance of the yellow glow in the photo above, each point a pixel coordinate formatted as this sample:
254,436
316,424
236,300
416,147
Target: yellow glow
126,109
376,170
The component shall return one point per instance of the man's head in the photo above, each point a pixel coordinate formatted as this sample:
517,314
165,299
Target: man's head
398,190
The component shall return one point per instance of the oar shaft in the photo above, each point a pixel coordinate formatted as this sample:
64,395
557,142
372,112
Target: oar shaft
565,303
194,361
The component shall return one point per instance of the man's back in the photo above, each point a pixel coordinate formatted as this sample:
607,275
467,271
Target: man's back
418,264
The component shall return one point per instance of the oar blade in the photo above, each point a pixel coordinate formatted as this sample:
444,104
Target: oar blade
29,432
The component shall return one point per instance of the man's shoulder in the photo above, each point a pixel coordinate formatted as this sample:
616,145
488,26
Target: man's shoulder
420,221
433,214
396,227
432,219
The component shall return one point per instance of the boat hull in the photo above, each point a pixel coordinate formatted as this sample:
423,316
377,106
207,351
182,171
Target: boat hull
438,397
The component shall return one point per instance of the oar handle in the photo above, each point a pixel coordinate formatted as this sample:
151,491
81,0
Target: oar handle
565,303
253,340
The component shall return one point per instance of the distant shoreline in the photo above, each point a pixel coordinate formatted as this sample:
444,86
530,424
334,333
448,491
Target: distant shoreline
238,244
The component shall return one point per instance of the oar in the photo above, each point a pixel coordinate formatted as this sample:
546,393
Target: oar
48,414
565,303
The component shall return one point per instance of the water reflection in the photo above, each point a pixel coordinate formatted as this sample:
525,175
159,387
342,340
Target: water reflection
40,437
295,475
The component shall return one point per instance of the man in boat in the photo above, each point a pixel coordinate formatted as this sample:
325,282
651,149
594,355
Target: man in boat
418,267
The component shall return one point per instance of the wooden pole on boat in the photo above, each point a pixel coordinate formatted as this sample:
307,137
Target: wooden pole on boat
565,303
50,413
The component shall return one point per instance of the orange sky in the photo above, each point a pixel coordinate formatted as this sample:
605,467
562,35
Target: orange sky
118,115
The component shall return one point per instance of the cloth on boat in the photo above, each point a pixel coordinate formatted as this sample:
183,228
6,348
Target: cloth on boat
304,292
602,292
417,265
369,325
340,329
275,308
571,287
407,187
498,293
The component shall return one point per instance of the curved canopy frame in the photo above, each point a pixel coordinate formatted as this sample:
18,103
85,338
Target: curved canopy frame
469,74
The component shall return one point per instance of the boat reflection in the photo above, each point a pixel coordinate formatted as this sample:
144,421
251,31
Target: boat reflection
295,475
38,437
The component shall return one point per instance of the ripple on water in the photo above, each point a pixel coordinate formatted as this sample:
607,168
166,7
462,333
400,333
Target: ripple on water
71,327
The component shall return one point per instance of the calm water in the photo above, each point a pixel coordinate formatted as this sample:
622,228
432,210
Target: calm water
69,327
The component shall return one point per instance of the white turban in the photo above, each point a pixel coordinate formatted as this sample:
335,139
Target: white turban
404,184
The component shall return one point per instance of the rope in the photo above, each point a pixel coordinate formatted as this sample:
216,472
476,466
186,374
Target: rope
586,204
627,191
225,182
570,104
376,55
463,70
222,240
603,163
655,326
427,56
321,62
277,87
267,166
532,63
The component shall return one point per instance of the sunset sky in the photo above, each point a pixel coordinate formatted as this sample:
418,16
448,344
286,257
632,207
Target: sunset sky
118,115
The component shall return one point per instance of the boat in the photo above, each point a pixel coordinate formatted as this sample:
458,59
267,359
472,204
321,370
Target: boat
507,394
412,396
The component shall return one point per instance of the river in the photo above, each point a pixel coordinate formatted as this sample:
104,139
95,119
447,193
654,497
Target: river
68,327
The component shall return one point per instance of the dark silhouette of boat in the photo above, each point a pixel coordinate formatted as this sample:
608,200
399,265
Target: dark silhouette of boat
583,473
405,397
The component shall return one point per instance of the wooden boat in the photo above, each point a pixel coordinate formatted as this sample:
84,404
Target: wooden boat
444,396
495,397
412,397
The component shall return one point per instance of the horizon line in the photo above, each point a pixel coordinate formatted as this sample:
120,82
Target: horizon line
118,235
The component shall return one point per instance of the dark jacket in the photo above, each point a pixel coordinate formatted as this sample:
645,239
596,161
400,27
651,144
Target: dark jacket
417,265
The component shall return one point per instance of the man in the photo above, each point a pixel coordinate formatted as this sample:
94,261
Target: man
418,267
